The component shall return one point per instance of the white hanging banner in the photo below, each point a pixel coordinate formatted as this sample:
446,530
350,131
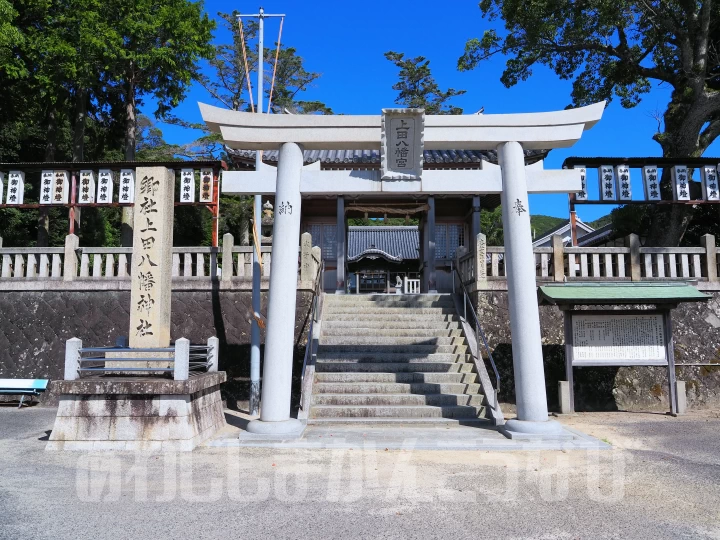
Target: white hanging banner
187,186
206,185
105,186
16,187
709,175
47,181
622,173
651,183
86,191
681,183
582,195
606,180
126,193
62,187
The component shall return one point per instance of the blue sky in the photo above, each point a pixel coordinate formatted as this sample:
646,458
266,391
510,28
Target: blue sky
345,41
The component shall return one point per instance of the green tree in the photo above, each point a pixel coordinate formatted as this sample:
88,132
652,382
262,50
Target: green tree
291,79
155,51
417,87
619,49
492,227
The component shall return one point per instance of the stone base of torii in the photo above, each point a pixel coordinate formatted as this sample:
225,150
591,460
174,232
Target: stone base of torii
508,134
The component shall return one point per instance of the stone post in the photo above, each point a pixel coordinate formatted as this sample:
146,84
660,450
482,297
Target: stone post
306,261
213,353
708,242
340,287
531,398
70,264
681,397
316,253
566,406
227,258
430,243
151,274
475,217
72,359
633,242
558,258
182,359
480,262
279,340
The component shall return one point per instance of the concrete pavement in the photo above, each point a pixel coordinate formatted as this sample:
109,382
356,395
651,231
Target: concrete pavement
660,480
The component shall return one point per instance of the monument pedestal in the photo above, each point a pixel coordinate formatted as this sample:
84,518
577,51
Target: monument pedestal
137,413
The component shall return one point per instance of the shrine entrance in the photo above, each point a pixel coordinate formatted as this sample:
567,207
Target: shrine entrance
402,135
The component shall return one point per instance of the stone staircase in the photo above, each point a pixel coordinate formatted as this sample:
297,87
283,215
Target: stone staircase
394,359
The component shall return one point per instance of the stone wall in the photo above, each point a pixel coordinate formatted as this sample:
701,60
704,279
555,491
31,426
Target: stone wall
697,340
34,326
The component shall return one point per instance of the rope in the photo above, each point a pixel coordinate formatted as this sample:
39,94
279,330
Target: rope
256,238
277,54
247,69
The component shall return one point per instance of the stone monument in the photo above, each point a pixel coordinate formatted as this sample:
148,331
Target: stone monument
136,409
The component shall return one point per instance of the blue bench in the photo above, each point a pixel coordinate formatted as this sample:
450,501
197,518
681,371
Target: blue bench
23,387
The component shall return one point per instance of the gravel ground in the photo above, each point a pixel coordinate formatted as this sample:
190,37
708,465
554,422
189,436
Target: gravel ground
661,480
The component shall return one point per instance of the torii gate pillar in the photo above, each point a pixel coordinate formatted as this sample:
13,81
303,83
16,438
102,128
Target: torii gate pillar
530,394
277,369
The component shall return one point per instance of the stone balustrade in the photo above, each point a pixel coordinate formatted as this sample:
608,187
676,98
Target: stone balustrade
72,262
630,263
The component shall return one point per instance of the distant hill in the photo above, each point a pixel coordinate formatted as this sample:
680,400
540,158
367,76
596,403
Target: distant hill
542,224
600,222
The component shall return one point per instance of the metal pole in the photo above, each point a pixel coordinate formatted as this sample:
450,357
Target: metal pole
256,301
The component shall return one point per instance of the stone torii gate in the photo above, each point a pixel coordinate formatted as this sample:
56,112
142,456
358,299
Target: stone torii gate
408,130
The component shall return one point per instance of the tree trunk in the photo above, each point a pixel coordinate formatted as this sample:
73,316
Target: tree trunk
79,121
126,229
43,222
130,121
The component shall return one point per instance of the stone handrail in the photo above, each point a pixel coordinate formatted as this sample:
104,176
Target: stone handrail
632,263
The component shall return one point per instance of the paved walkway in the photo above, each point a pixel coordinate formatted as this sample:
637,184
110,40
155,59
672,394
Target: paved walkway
397,437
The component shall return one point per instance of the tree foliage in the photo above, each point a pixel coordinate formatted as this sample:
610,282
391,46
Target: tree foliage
417,87
618,50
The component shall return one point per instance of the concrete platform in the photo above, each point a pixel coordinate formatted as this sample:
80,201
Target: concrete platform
394,436
137,413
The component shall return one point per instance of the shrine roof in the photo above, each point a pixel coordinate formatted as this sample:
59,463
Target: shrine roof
371,158
619,293
394,244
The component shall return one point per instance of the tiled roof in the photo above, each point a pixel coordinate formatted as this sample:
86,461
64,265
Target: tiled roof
598,236
395,244
373,156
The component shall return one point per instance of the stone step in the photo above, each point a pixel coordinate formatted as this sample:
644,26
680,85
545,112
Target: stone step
329,311
391,367
350,298
326,349
418,411
399,423
398,357
363,318
391,332
349,377
397,400
395,388
381,341
355,324
441,304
